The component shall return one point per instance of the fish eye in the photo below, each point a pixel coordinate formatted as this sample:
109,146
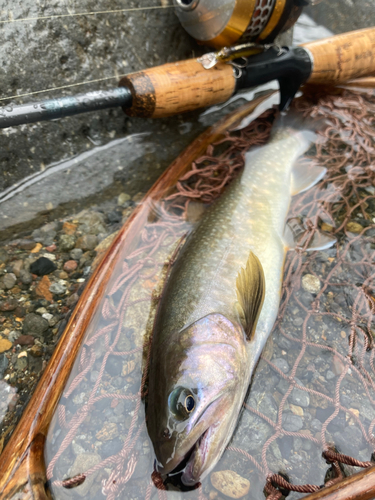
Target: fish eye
181,402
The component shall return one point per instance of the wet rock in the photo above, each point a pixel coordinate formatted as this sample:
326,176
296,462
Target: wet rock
20,312
87,242
17,266
349,441
296,410
111,448
26,277
128,367
66,242
26,244
42,266
354,227
327,227
310,283
73,299
77,448
230,483
5,345
37,248
4,257
253,433
83,463
322,414
24,340
51,248
281,364
123,198
34,324
9,280
3,365
8,305
57,288
70,266
299,397
76,253
316,425
114,216
292,423
338,365
91,222
330,375
69,228
42,289
109,431
22,361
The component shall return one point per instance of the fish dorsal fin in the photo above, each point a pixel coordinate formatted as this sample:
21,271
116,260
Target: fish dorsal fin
305,175
250,288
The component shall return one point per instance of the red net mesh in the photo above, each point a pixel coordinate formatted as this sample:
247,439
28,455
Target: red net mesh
313,391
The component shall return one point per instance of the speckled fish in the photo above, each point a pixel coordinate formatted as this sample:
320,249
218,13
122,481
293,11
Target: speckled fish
218,308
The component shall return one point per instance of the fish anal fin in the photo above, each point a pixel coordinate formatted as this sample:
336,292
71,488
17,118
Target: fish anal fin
250,288
305,175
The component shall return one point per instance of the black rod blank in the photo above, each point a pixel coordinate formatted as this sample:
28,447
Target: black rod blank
51,109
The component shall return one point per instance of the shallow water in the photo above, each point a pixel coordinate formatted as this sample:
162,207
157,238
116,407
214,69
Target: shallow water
310,389
90,430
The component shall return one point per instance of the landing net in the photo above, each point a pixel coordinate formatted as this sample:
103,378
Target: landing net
310,415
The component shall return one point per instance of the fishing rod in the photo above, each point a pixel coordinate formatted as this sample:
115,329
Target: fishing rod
175,88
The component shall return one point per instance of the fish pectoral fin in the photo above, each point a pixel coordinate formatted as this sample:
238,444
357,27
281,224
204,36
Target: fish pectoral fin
305,175
250,288
296,236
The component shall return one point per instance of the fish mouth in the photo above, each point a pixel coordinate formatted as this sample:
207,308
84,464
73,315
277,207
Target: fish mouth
193,472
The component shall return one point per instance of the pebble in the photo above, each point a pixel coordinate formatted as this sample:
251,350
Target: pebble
8,305
51,248
70,265
76,253
42,266
354,227
34,324
5,345
281,364
24,340
311,283
111,448
230,483
327,227
37,247
83,463
26,244
17,266
299,397
87,242
123,198
107,432
42,289
26,277
69,228
22,361
9,280
4,362
57,288
292,423
41,310
330,375
66,242
296,410
4,257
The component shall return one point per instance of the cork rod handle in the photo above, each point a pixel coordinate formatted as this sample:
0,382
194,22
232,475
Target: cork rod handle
342,57
178,87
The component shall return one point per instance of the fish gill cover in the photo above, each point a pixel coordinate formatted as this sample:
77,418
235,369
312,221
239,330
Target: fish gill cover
313,390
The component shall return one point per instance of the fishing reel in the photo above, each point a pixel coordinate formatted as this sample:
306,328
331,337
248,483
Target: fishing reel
220,23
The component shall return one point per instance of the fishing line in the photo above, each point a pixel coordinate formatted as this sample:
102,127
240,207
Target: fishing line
65,86
89,13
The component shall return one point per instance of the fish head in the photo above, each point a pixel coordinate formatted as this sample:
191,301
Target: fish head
194,405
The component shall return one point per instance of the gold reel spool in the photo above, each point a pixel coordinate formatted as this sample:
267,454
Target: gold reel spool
220,23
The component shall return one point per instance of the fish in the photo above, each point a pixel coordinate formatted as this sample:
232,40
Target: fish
219,305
